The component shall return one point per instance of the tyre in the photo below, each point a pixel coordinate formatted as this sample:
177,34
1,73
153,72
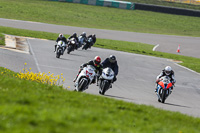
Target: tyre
82,84
104,86
163,96
69,49
58,54
85,47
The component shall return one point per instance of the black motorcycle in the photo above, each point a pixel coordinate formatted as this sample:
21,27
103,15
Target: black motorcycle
71,45
88,43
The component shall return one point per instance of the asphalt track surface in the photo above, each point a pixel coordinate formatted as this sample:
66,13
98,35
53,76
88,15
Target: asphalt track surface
189,46
136,79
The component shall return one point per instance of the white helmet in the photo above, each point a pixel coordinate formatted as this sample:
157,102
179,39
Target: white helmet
83,34
60,35
168,70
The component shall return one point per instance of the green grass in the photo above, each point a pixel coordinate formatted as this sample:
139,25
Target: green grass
80,15
132,47
30,107
2,39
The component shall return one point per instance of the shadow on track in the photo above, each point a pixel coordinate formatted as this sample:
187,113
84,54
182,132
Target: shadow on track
177,105
119,97
65,59
75,54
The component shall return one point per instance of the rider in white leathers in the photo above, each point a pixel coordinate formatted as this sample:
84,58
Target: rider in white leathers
166,72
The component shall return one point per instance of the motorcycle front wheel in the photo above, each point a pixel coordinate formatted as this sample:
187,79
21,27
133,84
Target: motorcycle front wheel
163,96
69,49
104,85
82,84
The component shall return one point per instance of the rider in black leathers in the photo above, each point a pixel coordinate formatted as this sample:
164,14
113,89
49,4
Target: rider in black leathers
61,37
93,39
112,63
74,35
84,38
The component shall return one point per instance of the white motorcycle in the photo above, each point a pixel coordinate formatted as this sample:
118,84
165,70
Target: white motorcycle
105,80
60,48
85,78
164,87
81,41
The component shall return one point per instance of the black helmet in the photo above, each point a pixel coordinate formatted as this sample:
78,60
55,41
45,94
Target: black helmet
74,34
112,59
93,35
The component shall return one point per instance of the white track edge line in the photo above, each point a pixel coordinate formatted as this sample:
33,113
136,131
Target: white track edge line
36,62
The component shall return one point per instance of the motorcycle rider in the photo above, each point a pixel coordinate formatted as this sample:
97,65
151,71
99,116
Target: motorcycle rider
61,37
93,39
96,63
74,35
166,72
84,38
112,63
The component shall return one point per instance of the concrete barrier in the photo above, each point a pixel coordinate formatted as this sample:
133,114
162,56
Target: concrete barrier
106,3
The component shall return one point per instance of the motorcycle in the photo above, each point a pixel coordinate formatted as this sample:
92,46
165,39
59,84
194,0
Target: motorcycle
81,41
60,49
71,45
105,80
88,43
164,88
85,78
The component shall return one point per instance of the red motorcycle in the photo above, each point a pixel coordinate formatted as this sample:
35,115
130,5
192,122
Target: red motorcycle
164,88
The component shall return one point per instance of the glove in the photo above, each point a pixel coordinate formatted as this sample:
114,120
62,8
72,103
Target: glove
173,83
158,80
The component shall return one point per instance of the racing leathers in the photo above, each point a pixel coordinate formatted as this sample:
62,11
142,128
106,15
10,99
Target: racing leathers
98,69
61,39
93,39
114,66
76,39
171,76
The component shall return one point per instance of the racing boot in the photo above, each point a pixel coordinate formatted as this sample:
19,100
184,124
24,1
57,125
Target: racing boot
75,79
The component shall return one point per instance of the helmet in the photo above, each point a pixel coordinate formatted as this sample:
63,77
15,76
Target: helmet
60,35
83,34
112,59
74,34
97,60
93,35
168,70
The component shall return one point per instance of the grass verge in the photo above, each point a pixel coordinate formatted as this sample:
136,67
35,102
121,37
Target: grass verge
28,106
132,47
63,13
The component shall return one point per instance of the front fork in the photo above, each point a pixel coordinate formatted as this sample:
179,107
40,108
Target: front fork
158,89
